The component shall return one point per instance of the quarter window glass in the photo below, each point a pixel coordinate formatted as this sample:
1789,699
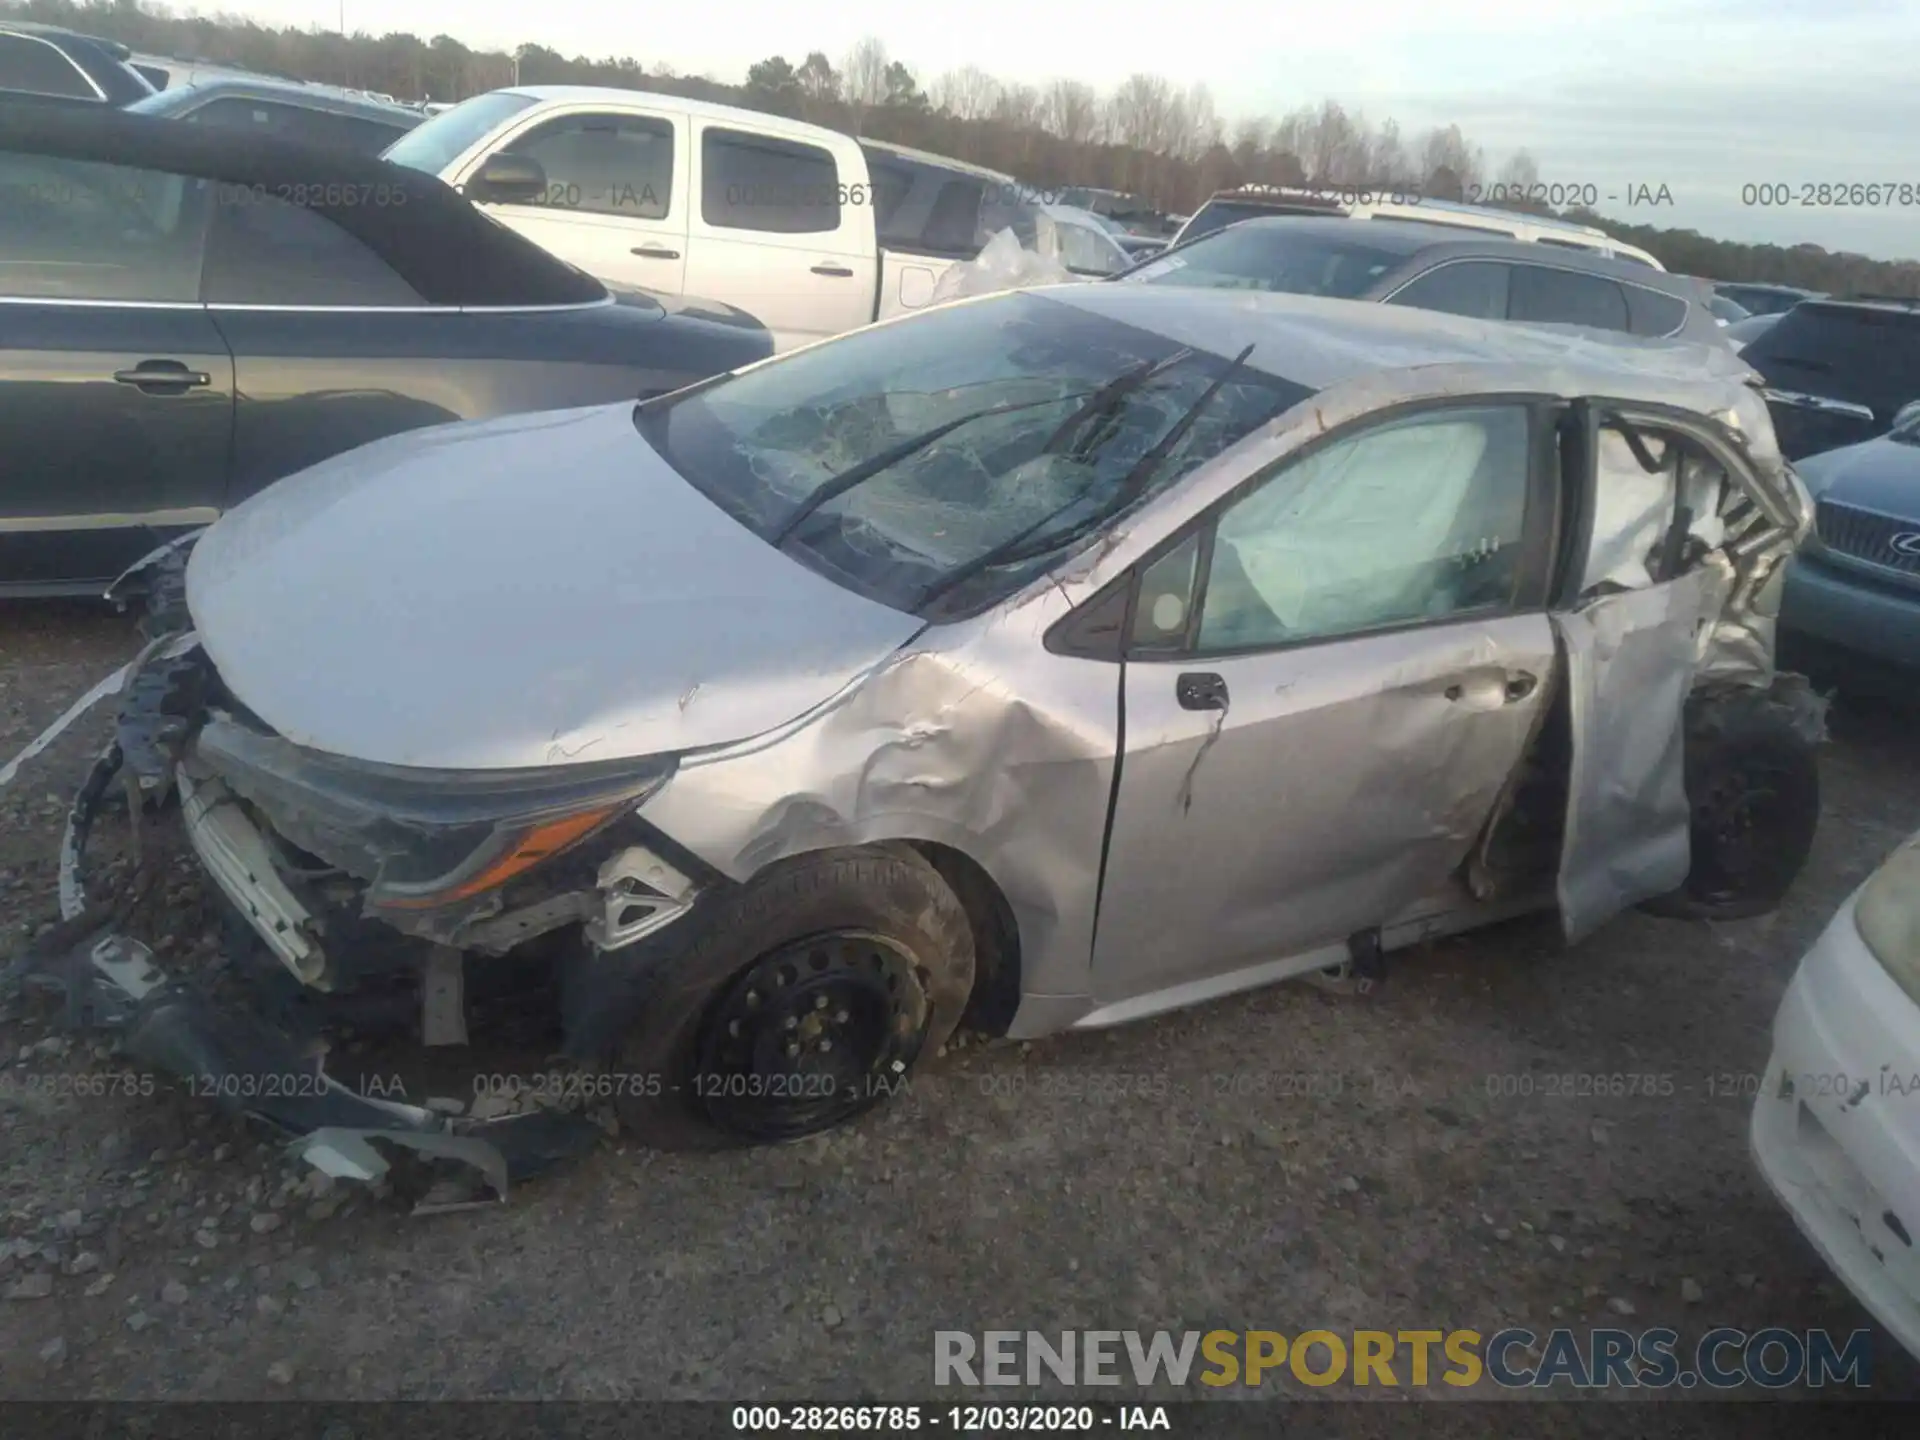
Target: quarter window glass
1470,287
604,164
1161,612
753,182
37,68
265,251
1420,519
75,230
1652,313
1566,297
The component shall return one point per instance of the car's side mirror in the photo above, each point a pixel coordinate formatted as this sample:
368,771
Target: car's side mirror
507,180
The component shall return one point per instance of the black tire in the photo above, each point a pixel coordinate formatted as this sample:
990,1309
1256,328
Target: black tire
1754,788
897,941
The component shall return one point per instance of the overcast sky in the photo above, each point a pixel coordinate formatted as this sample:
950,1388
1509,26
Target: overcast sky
1701,96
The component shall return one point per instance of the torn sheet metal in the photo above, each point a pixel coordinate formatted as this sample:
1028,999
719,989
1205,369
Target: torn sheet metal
110,685
1005,264
1629,661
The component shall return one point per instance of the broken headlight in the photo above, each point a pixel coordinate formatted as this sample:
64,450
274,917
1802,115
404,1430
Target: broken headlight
423,838
1887,914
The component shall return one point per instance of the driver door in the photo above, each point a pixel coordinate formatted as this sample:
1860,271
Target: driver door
1328,682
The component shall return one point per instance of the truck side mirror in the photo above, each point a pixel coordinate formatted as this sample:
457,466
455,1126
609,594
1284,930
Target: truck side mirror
507,180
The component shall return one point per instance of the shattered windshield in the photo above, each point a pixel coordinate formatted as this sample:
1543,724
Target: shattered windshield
1275,257
898,458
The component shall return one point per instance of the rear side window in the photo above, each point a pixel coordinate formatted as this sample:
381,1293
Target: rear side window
604,164
37,68
74,230
755,182
264,251
1566,297
1476,288
1651,313
153,75
921,208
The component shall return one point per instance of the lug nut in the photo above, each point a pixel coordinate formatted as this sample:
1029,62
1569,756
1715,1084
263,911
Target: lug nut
825,1045
793,1050
839,1017
819,1002
790,1023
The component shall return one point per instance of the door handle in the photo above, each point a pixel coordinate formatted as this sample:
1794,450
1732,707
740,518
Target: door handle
655,252
163,375
824,269
1199,690
1520,685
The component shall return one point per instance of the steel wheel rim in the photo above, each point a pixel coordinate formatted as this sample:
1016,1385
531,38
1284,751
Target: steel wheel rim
810,1035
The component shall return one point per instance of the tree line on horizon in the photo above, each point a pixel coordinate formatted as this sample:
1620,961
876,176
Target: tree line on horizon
1147,136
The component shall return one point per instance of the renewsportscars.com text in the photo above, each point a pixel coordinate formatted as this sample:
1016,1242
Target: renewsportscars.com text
1511,1358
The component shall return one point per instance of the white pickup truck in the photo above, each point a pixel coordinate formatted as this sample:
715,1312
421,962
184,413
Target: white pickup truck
810,231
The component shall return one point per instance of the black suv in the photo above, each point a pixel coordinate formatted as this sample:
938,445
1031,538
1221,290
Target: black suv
311,114
44,62
1437,267
1839,370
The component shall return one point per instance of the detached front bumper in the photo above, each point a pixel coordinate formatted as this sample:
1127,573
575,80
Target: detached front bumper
1836,1126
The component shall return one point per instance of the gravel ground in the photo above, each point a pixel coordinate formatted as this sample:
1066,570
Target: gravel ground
1297,1159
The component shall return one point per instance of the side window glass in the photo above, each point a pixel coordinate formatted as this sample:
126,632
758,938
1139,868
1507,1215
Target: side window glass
1085,253
76,230
604,164
1165,602
34,67
1652,313
755,182
1476,288
1566,297
1419,519
265,251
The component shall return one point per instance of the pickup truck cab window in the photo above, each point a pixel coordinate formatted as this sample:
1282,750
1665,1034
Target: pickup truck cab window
758,182
604,164
436,144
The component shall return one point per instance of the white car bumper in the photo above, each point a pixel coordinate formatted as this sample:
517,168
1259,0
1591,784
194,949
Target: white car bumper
1836,1126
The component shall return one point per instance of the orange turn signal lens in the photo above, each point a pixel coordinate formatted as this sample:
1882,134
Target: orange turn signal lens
529,850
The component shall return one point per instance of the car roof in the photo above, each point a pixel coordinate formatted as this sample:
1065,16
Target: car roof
451,253
1319,342
944,162
1454,242
316,96
113,48
702,109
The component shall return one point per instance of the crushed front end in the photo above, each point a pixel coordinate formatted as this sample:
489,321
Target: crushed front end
356,897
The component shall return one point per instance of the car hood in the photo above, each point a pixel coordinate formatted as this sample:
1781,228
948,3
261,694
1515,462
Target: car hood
1881,475
524,591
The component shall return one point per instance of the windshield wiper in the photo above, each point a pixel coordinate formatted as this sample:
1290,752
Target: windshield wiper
1104,404
837,485
1023,546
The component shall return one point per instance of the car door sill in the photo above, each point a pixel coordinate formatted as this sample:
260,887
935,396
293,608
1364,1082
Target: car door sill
1398,934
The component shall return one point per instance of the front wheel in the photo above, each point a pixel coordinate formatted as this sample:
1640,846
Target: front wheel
1754,791
806,1001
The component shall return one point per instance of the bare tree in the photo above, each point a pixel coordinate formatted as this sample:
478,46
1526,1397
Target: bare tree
1071,110
1249,139
863,75
1202,126
1140,113
1019,106
1387,160
968,93
1448,165
1517,177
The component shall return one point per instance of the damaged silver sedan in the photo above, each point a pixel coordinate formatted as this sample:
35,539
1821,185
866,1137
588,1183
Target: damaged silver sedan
1045,660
